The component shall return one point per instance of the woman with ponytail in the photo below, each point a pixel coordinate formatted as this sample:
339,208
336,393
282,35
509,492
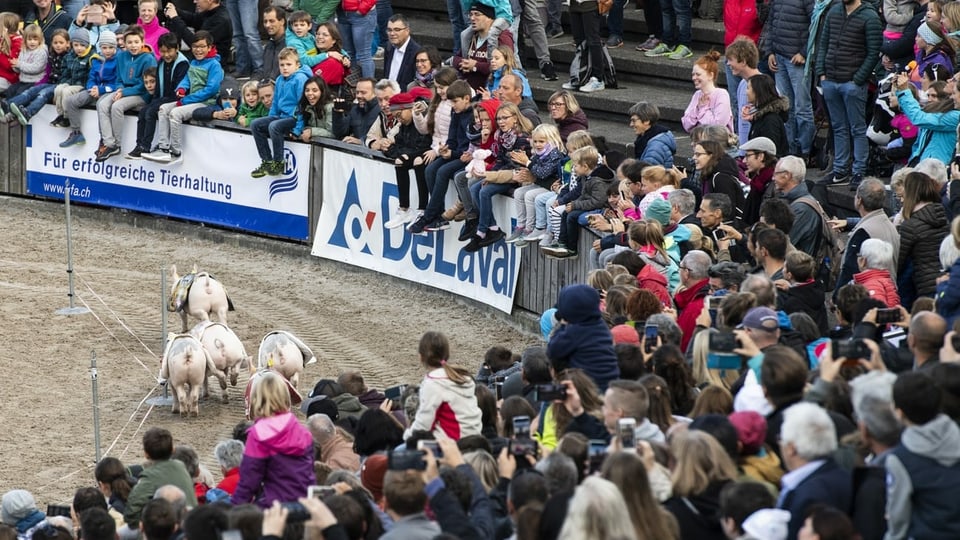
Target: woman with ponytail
114,482
447,400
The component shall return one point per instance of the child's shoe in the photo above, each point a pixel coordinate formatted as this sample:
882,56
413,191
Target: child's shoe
136,153
276,168
175,157
21,117
75,138
160,155
106,152
450,213
62,122
398,219
535,235
516,236
262,170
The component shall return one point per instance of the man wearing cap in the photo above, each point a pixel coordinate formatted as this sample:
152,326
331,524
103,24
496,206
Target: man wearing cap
49,17
399,58
760,157
473,60
806,233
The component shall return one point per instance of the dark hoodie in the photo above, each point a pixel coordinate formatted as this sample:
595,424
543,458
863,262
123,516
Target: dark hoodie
770,122
571,123
698,515
805,298
583,340
725,178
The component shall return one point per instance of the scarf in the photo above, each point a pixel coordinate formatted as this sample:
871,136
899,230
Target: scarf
426,80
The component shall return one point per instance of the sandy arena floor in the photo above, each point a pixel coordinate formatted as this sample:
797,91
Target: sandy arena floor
352,320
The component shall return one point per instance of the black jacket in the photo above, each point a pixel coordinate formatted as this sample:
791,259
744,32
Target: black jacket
787,28
408,142
356,122
901,50
807,298
407,73
699,515
725,178
271,60
920,238
770,122
850,44
216,21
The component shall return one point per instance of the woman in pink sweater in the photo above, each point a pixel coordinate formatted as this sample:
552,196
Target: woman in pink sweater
710,105
151,24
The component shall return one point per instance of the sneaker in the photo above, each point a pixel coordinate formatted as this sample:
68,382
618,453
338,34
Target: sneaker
516,235
535,236
136,153
570,86
438,225
259,172
275,168
107,152
548,72
855,181
660,50
399,219
417,226
379,54
492,237
681,52
469,229
162,155
559,251
593,85
22,118
614,42
175,157
75,138
473,245
835,178
548,241
555,33
452,212
413,215
648,45
63,122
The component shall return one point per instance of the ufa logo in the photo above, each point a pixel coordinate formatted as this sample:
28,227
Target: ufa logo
289,179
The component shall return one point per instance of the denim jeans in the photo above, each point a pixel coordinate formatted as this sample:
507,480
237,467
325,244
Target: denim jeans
676,16
733,82
483,201
357,32
615,18
846,103
31,101
439,174
792,84
458,20
274,129
384,12
542,204
246,35
553,15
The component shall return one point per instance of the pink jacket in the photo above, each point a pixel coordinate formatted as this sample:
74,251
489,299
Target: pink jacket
716,111
152,33
880,286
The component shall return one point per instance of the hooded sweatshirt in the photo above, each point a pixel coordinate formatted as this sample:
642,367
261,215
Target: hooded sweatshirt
922,475
689,305
277,461
805,298
203,79
584,341
130,70
289,90
447,407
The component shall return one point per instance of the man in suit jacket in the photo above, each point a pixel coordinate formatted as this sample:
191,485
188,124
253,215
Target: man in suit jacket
399,60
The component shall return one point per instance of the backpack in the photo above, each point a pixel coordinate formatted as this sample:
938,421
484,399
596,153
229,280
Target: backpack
580,68
829,251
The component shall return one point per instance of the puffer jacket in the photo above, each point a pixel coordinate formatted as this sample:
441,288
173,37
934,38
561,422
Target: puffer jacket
850,45
656,146
787,28
880,286
920,238
726,179
770,122
740,19
938,131
584,340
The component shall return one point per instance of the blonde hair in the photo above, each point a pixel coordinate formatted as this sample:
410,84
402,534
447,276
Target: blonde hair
587,155
523,123
270,396
551,134
702,373
578,139
599,279
509,60
485,466
249,85
156,4
658,174
9,23
33,31
597,511
700,461
288,52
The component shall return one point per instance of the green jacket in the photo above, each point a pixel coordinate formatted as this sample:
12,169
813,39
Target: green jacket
156,474
321,10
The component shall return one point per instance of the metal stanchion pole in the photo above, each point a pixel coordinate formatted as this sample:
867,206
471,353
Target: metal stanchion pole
165,399
96,405
70,310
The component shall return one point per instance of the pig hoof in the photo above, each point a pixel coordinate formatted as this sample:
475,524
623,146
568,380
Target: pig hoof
233,379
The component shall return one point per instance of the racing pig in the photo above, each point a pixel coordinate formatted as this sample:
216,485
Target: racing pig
185,367
225,349
198,294
284,353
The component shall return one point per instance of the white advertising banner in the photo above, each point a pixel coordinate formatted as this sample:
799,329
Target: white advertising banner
212,183
360,195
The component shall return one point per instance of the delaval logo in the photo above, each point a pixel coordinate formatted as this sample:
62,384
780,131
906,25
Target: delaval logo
358,230
289,180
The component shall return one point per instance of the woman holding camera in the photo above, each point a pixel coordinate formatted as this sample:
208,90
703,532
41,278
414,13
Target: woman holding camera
448,402
937,122
278,456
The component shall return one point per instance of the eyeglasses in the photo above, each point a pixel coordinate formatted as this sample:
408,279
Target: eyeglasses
698,154
682,267
780,172
422,60
395,30
499,118
199,47
556,104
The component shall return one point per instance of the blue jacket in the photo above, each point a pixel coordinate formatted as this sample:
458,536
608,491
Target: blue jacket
202,82
938,131
103,74
829,484
179,69
787,28
287,95
948,296
584,342
130,72
457,140
656,146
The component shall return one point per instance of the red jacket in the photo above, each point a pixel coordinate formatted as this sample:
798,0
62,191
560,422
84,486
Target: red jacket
6,68
880,286
362,6
689,305
740,19
652,280
230,479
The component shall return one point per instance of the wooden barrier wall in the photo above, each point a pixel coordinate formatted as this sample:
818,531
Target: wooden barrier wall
541,277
